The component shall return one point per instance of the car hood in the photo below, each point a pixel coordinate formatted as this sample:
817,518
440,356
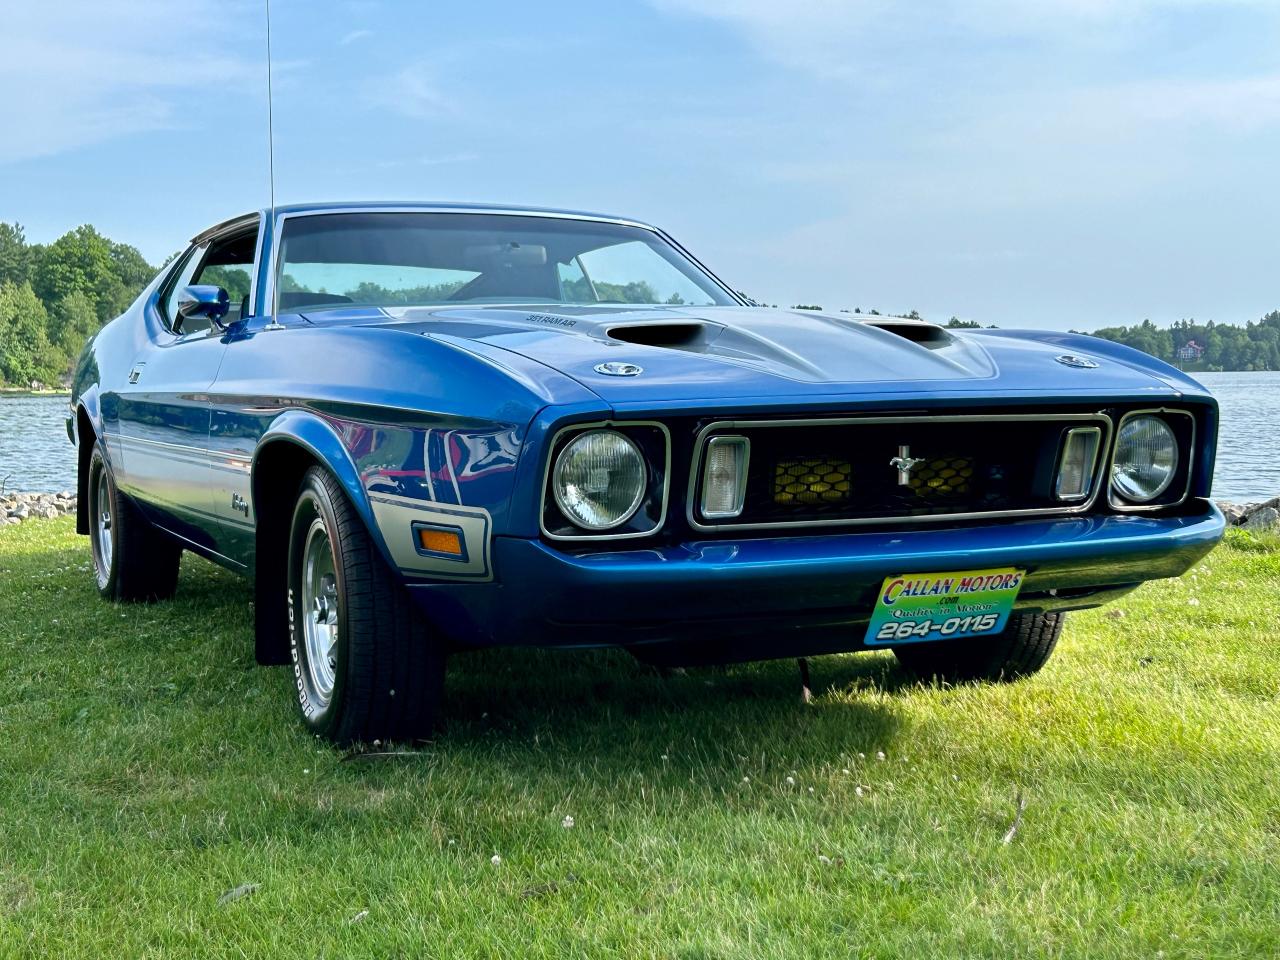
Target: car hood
717,353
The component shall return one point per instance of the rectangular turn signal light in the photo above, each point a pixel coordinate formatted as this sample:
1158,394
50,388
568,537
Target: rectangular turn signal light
439,541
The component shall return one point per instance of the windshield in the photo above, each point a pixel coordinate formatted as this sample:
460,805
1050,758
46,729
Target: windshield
432,259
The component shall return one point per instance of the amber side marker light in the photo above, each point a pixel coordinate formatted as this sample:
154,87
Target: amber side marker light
439,541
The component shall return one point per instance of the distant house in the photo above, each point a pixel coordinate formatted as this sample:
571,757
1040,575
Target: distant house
1190,351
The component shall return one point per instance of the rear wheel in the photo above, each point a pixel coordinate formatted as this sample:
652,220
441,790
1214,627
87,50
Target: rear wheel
1021,649
132,560
366,667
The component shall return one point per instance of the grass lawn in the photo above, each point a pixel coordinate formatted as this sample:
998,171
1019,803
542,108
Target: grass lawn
148,767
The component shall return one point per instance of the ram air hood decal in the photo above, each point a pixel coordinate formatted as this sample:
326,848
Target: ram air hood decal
718,352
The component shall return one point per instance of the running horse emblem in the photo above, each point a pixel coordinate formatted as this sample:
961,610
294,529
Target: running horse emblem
905,463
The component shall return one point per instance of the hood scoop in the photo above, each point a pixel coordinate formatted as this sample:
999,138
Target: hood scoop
692,336
813,349
928,335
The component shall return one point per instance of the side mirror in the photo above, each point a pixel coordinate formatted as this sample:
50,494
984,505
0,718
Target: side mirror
204,300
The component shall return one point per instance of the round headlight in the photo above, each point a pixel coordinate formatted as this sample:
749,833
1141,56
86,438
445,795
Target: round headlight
1146,459
599,479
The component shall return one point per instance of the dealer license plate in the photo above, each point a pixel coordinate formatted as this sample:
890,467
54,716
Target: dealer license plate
923,607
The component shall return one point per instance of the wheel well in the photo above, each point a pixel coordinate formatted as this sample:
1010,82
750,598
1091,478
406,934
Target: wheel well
86,436
277,474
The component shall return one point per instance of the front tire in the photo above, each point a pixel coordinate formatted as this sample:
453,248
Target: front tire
132,560
1021,649
366,667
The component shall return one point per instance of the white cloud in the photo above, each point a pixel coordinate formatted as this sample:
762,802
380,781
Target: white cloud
1082,111
410,91
810,35
832,37
353,36
1118,139
428,160
1236,105
82,72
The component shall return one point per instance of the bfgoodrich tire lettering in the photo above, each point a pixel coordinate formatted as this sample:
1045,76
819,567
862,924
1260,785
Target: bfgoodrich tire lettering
1021,649
132,560
365,665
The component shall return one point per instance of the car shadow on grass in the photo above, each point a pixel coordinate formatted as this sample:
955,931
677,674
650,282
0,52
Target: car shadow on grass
604,706
602,702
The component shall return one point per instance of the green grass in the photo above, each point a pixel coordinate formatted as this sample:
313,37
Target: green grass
147,767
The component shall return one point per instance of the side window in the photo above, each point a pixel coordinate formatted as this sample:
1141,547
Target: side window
180,278
229,264
634,272
574,285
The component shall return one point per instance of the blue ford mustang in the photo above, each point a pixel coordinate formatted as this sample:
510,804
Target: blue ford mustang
425,428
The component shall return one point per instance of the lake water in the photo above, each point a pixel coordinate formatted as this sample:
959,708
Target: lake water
35,455
1248,467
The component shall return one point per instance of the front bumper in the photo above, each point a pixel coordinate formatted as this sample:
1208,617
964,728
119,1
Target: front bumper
791,596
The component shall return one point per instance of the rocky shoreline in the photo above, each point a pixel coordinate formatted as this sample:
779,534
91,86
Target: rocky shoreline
16,507
1261,517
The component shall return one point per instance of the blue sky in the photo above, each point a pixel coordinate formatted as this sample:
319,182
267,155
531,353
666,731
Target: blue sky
1059,163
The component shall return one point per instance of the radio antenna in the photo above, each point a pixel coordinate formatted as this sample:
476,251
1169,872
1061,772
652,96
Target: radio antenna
273,323
271,139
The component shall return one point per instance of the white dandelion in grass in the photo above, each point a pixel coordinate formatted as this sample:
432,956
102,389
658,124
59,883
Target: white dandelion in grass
822,858
879,754
791,781
495,860
859,792
567,823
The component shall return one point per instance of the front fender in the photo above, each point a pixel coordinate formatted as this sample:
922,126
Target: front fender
84,417
313,434
86,403
392,519
1088,344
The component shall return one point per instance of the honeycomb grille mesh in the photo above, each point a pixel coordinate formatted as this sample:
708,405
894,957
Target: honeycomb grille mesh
812,480
943,477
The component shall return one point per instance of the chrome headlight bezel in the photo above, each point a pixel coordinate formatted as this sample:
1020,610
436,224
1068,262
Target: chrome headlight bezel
1182,425
626,454
653,442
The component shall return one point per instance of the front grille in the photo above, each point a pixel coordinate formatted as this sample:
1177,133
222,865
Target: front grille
845,471
813,480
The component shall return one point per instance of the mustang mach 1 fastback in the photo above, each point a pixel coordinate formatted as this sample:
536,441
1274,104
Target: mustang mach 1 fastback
428,428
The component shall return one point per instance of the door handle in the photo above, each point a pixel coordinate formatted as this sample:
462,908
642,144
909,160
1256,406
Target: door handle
136,373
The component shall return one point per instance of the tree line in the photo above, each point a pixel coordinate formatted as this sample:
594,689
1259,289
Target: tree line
1206,346
1189,344
53,297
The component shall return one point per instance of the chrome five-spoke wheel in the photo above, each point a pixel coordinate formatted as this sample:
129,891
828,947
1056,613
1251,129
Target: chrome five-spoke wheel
365,665
132,561
320,611
102,515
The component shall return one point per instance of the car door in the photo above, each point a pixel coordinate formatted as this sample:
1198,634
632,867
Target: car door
165,406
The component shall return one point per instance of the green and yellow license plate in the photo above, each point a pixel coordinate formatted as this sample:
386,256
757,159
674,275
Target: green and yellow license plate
923,607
